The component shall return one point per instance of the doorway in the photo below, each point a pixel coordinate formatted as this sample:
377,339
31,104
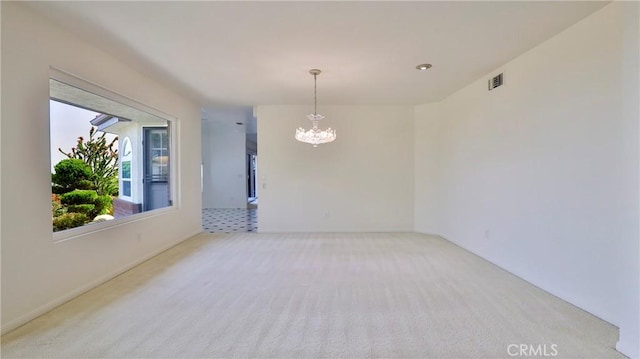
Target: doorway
156,192
229,169
252,194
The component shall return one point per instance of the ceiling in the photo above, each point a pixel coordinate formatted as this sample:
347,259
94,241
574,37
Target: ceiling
259,53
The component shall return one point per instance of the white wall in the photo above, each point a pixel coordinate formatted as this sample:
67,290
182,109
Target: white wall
38,273
361,182
224,165
427,127
540,176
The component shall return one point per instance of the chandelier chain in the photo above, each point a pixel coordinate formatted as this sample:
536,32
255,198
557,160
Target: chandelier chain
315,95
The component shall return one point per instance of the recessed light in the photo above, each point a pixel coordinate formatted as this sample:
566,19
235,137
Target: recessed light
423,67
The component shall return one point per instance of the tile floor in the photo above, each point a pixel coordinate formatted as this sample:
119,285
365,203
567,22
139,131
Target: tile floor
229,220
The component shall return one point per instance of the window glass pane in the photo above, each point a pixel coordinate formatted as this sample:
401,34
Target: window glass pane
126,188
126,169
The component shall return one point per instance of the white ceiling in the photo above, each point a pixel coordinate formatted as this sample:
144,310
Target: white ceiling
256,53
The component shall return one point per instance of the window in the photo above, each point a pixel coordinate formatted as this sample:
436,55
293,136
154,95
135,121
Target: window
125,173
109,159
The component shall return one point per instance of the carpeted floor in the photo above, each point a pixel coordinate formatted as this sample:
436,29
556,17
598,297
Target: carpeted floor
313,296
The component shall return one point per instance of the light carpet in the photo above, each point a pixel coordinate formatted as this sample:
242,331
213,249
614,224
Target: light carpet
314,296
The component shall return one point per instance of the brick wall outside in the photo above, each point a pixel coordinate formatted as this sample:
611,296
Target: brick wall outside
122,208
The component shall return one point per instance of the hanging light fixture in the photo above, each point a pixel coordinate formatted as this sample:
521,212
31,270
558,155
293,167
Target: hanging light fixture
315,136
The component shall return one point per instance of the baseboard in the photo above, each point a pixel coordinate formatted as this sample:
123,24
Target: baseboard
24,319
626,348
334,230
631,350
433,235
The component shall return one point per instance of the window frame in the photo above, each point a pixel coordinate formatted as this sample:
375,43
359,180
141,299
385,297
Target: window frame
173,124
122,180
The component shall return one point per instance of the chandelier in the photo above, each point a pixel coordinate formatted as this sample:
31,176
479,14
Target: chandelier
315,136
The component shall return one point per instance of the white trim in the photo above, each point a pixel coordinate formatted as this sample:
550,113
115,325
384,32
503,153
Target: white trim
172,123
175,165
333,230
627,348
83,84
88,228
23,319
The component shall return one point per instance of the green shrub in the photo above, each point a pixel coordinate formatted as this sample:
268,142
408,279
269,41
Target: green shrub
79,196
86,202
57,208
88,209
70,174
69,220
101,157
103,205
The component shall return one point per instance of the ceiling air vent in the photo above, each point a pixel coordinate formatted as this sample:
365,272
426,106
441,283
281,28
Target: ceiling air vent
495,82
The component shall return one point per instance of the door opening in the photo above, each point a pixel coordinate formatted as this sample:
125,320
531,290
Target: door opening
252,160
156,168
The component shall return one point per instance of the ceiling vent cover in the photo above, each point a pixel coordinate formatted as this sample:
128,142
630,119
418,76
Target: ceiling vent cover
495,82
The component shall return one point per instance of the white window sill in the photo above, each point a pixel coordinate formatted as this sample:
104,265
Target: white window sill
91,228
